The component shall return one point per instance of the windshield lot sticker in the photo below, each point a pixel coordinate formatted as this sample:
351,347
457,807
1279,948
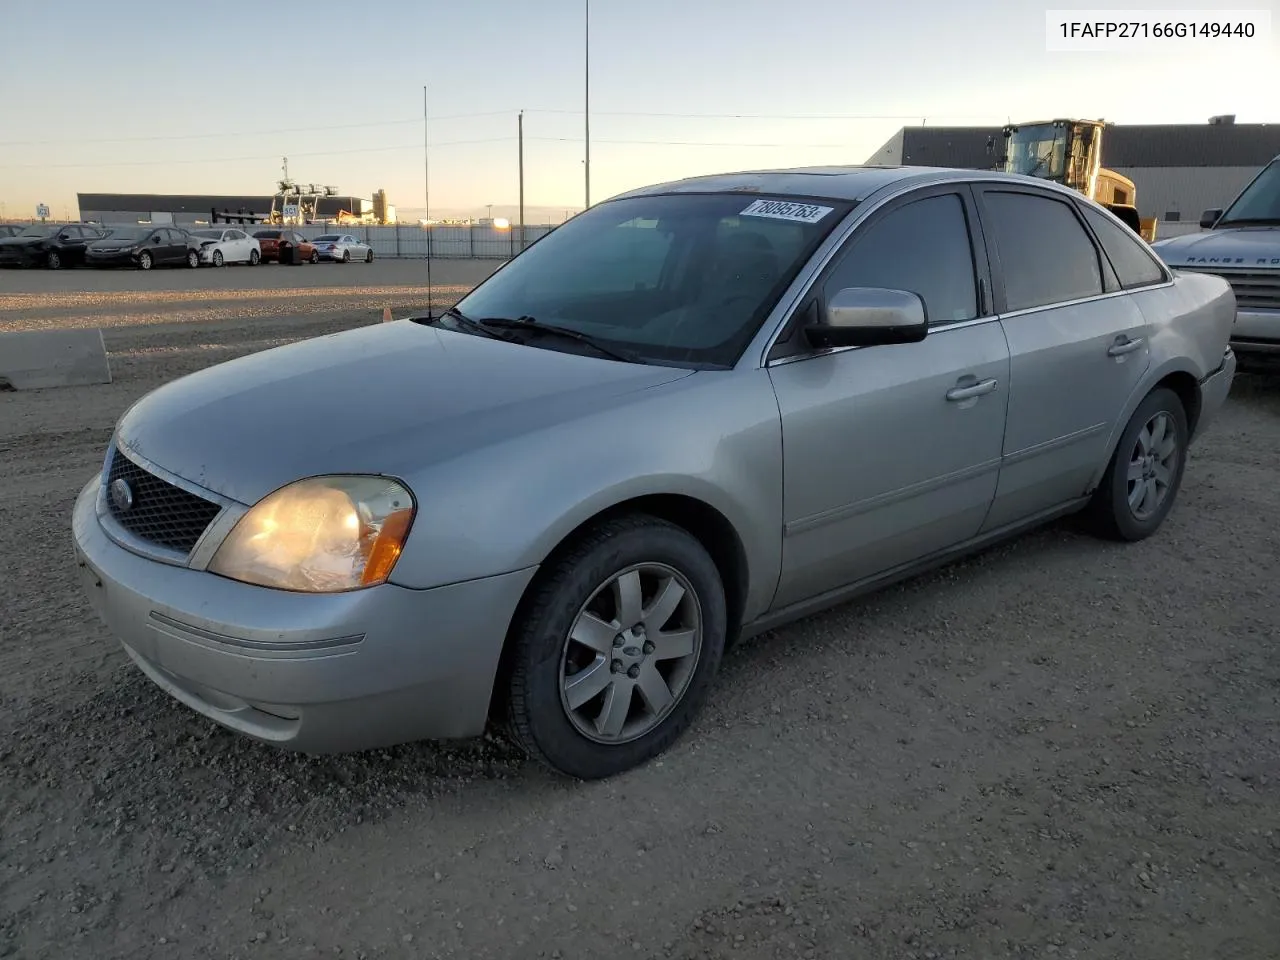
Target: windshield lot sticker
785,210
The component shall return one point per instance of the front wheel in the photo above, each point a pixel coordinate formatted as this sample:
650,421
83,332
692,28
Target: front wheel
193,260
54,260
144,261
616,648
315,257
368,257
218,259
1144,476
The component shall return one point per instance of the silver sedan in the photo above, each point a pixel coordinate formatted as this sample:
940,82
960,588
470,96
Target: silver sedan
691,414
342,248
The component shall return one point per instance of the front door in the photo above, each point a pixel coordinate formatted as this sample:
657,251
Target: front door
1078,349
892,453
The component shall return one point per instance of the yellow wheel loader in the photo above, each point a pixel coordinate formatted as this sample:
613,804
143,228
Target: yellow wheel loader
1070,152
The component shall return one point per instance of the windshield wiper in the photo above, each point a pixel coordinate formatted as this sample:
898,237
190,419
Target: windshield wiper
466,323
528,324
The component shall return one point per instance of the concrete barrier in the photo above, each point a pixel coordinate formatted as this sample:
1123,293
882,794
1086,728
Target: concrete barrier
30,360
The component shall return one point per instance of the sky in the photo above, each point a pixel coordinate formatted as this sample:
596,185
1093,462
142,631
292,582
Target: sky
209,97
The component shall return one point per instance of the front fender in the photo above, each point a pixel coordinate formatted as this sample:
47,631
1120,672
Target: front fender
714,437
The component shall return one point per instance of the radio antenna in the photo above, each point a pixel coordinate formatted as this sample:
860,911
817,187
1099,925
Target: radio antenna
426,199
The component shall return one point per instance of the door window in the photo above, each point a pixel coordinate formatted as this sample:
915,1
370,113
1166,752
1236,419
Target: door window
1046,256
922,247
1133,265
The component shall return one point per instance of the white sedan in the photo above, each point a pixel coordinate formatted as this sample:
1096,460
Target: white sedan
343,248
220,246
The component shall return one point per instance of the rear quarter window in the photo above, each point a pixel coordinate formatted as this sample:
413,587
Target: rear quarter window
1134,266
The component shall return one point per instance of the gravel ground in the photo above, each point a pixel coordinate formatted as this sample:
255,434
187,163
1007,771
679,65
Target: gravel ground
1059,748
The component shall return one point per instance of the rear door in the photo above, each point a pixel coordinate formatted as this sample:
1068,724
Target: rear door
1077,343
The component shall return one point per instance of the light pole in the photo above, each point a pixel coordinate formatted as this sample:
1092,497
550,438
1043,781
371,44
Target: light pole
489,207
586,97
426,169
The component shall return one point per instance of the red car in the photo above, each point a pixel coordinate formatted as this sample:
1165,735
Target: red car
271,242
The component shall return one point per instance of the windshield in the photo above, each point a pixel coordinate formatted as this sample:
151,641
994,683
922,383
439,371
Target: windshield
1260,200
38,230
128,233
683,279
1037,150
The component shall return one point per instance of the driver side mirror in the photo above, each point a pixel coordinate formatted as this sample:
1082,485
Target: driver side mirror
870,316
1210,217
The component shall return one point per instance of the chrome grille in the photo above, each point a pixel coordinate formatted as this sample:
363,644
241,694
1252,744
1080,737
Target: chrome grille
1254,289
160,512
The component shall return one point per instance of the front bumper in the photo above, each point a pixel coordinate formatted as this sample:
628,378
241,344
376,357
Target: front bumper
20,257
318,673
110,260
1256,331
206,255
1214,390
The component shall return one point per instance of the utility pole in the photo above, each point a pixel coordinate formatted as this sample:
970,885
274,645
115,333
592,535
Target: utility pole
426,169
520,138
586,93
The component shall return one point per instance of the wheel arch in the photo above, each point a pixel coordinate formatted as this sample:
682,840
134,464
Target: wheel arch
1174,376
704,522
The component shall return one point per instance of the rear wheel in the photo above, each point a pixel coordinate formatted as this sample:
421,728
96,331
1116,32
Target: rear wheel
144,261
315,256
1144,476
54,260
254,258
615,648
193,260
346,256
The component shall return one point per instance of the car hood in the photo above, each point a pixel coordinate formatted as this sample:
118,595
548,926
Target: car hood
389,398
1229,246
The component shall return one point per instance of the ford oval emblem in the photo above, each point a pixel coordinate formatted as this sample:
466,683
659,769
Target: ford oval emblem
121,495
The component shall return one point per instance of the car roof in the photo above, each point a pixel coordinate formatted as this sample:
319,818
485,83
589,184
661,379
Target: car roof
847,183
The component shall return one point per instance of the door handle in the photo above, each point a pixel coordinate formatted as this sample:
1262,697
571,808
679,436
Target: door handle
956,394
1121,347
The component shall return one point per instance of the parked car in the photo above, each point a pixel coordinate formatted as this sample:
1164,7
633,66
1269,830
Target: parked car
271,241
52,245
219,246
692,413
1242,245
144,247
343,248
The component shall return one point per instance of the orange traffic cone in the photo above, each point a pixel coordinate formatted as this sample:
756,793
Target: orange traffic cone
386,314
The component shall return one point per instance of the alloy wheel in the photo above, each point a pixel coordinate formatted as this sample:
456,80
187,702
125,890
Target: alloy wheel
1151,465
631,653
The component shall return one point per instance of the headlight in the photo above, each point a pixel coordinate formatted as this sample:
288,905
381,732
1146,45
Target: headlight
322,535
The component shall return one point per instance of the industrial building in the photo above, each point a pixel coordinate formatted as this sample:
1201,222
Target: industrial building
193,209
1178,170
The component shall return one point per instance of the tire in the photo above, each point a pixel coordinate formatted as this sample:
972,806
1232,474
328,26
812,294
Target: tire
346,256
193,260
54,260
254,258
1135,466
218,259
368,257
144,261
315,256
546,718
